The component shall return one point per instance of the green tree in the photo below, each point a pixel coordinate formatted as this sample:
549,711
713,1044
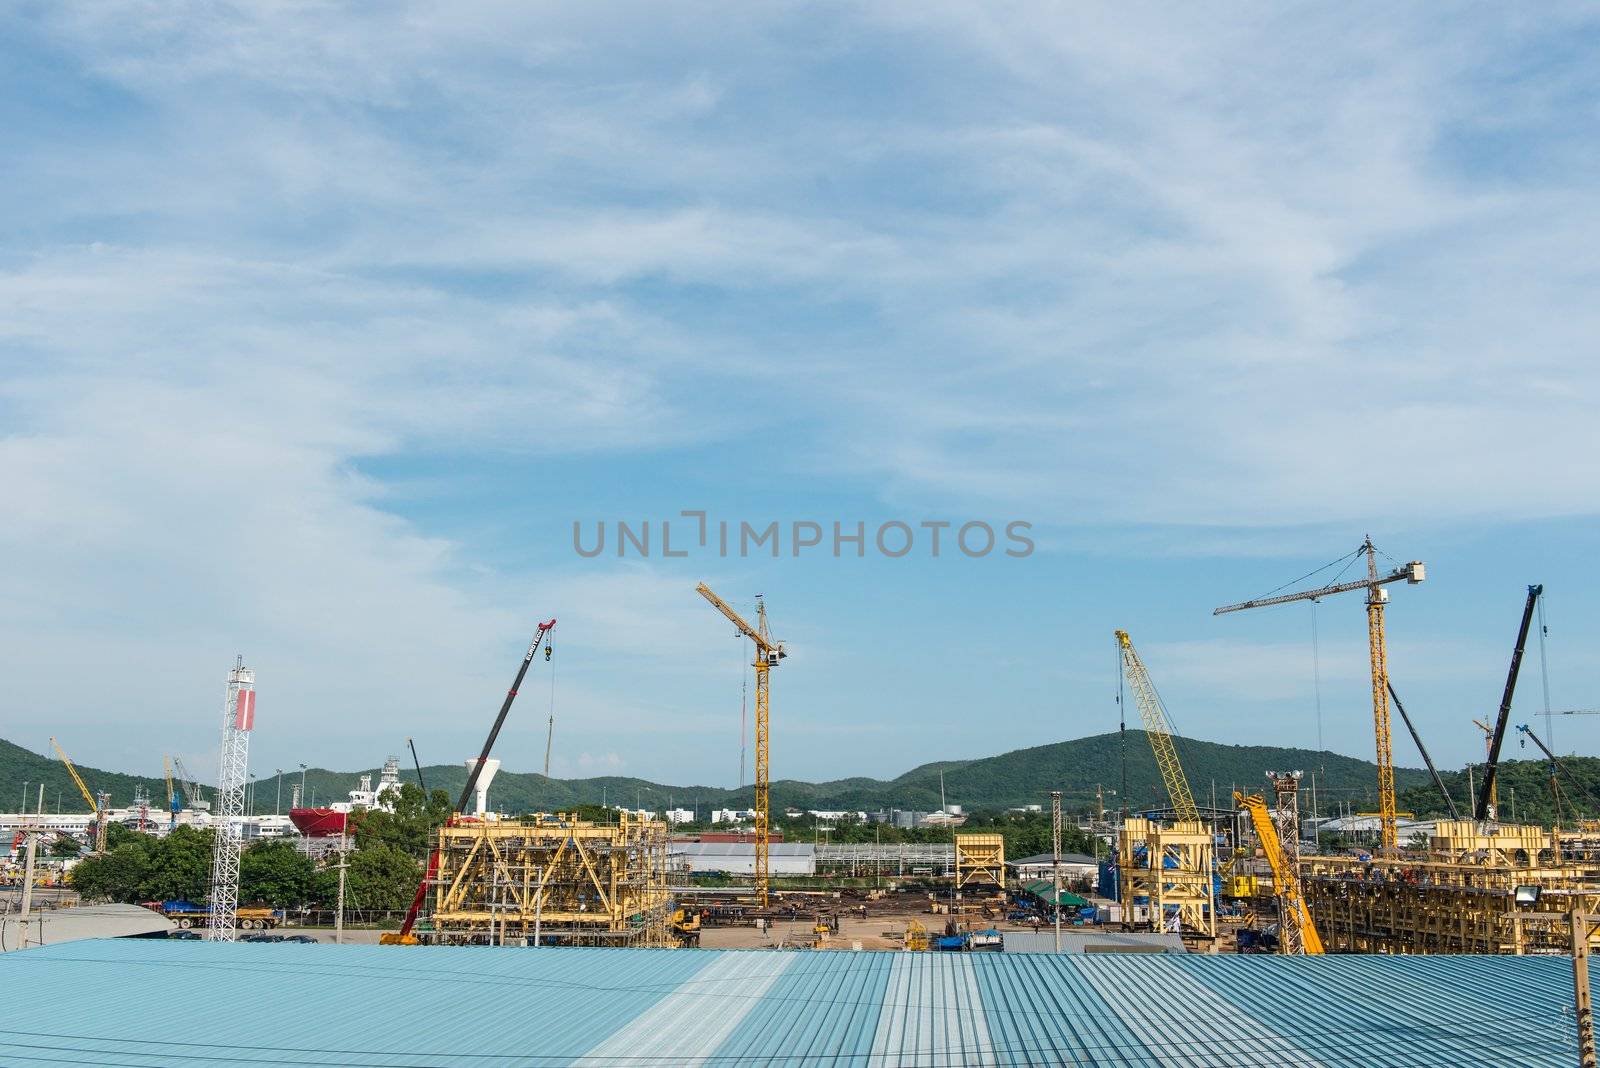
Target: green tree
407,825
179,865
275,873
117,875
65,846
381,877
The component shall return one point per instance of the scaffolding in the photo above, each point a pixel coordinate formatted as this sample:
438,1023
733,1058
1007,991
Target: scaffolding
1482,888
553,879
1166,873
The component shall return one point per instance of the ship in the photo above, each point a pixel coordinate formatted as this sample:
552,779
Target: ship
330,821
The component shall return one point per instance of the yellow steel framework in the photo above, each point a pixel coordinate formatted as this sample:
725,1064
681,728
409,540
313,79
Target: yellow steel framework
554,878
1158,730
1378,655
1167,869
1297,934
768,654
1481,889
980,860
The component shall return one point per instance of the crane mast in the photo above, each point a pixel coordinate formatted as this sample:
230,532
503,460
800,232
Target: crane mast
768,654
1378,656
1158,729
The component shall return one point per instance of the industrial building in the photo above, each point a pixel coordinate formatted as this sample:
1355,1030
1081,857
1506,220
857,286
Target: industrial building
480,1006
739,858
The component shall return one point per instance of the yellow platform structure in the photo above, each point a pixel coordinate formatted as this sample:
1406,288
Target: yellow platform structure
1480,888
1165,873
980,860
553,877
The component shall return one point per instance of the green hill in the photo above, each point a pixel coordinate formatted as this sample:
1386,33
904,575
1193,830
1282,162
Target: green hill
1020,777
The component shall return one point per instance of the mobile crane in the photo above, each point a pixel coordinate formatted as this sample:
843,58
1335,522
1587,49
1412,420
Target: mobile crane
1158,730
1297,934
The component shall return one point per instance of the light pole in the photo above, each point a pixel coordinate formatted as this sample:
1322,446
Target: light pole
251,807
23,811
277,804
303,800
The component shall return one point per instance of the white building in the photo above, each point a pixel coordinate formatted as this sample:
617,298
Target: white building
732,815
680,815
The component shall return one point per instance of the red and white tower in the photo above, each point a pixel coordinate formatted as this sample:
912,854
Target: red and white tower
238,719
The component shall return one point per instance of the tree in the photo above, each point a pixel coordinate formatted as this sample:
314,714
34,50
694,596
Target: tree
275,873
381,877
407,825
117,875
65,846
179,865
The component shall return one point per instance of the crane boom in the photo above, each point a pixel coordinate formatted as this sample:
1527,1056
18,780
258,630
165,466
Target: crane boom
768,654
1426,759
1295,918
1378,655
77,779
1486,809
1158,729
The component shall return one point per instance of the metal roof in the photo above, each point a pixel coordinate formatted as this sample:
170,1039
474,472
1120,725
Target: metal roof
52,925
439,1006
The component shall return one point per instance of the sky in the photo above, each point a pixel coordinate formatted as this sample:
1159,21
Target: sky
322,325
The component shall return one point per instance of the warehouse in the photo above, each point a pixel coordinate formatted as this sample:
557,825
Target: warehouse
739,858
659,1007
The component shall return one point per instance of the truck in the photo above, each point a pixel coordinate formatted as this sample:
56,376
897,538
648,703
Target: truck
187,914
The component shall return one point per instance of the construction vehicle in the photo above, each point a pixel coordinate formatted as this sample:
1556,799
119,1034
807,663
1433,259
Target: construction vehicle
1158,729
187,914
99,804
768,654
405,937
1488,807
686,927
1296,932
1378,653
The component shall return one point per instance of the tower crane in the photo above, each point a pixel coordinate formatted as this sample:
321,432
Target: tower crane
98,805
768,654
1487,808
1377,647
1158,729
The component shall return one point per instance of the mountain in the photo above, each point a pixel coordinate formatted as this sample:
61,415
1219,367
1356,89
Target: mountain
1020,777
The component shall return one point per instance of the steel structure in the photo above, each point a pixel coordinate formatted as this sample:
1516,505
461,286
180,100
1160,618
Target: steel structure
1158,729
1168,869
768,654
1378,655
980,860
553,878
1279,834
233,773
1480,889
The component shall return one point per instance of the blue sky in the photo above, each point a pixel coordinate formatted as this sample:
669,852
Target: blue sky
323,324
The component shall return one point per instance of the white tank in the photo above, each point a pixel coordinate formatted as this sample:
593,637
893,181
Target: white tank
485,777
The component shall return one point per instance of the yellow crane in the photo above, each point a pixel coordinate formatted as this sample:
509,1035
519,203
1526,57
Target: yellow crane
768,654
1297,934
1158,730
1377,646
95,805
172,794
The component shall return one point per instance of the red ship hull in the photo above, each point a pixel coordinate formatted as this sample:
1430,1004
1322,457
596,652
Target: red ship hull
318,822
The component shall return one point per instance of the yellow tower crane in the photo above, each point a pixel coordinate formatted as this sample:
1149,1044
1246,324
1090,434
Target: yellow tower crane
768,654
1412,573
97,806
1158,730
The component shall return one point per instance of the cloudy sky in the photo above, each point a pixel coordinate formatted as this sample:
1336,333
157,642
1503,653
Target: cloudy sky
321,325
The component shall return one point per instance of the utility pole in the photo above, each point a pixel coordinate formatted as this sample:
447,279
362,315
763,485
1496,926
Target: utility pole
1055,849
277,804
1579,924
338,912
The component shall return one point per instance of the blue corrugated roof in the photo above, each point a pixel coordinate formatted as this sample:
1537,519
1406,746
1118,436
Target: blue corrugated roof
142,1003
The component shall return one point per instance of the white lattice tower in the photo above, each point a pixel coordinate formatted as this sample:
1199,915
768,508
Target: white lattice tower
1286,818
238,718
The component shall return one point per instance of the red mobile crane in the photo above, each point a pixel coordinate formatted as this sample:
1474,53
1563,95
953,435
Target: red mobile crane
405,937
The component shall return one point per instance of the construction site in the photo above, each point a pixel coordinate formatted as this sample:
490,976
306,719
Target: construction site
1175,880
